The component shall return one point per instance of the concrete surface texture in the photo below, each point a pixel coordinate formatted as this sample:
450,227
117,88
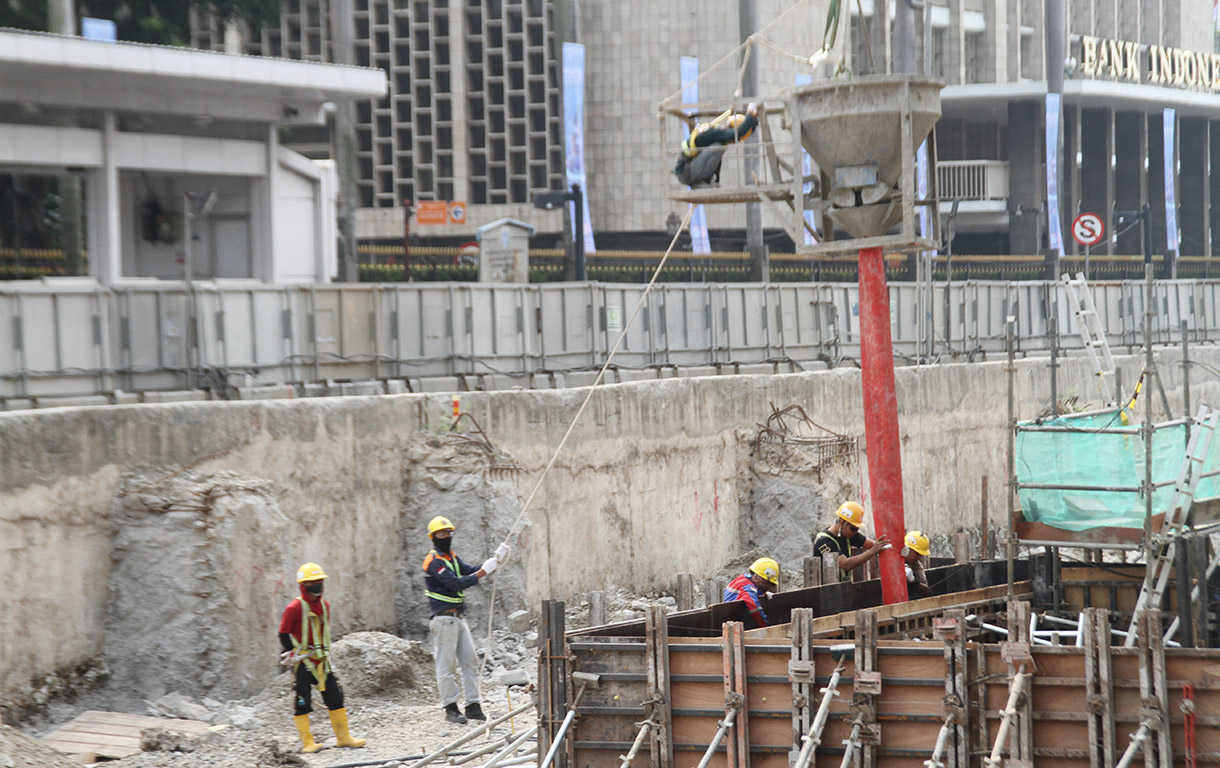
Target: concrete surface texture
656,479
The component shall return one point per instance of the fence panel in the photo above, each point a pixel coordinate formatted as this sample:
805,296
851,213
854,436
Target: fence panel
82,339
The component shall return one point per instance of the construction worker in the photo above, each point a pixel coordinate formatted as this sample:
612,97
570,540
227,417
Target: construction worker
915,548
446,577
843,538
704,148
748,588
305,638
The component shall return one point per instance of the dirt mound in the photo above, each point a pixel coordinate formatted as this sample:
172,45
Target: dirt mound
375,663
18,750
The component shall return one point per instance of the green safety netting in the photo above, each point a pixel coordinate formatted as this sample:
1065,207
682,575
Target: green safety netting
1112,460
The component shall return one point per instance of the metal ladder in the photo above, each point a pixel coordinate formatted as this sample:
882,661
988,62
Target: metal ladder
1093,334
1159,565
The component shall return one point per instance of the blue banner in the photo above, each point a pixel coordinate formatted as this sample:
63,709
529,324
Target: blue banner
803,78
574,128
921,189
688,67
1171,205
1054,230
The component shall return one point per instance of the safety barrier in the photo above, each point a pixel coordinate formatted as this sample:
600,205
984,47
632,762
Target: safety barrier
73,337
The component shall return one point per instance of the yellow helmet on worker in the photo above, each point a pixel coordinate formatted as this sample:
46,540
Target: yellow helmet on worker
439,523
766,568
851,512
310,572
916,541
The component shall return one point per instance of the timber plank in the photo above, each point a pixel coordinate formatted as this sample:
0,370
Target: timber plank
113,734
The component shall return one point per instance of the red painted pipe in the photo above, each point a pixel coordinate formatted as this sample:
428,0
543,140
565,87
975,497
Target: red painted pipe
881,421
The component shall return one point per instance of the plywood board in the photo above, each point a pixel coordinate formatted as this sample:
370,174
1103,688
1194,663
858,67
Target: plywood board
113,735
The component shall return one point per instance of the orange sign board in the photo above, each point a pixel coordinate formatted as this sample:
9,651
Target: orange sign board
432,212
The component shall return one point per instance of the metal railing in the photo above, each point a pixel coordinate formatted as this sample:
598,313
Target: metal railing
972,180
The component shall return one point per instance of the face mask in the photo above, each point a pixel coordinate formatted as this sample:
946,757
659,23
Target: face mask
314,588
442,544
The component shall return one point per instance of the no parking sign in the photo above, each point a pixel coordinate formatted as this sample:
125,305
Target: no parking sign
1088,229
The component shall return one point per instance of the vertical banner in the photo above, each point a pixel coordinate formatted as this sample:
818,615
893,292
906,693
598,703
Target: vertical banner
574,128
803,78
689,72
921,189
1171,197
1054,230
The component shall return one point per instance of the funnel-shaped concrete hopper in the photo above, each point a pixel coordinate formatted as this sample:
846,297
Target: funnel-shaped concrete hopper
853,129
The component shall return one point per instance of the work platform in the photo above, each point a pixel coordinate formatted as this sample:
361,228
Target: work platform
934,674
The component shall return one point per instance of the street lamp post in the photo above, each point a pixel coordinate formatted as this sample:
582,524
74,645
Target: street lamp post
549,201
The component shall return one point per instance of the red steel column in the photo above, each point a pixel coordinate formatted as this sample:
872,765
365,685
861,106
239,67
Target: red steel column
881,420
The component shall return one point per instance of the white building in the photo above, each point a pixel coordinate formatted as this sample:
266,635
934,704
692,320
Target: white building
155,130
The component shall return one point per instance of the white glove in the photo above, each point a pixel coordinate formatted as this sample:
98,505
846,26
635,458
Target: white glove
490,565
502,552
910,573
288,658
752,109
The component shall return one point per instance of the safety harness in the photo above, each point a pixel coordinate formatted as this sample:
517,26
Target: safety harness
314,626
457,570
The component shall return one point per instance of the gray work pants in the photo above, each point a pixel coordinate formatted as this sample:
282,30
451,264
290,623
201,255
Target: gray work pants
453,647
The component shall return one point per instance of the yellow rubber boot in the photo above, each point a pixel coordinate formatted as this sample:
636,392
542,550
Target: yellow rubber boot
338,721
310,745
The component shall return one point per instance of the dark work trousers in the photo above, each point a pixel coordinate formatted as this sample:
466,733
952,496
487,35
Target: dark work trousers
332,696
703,168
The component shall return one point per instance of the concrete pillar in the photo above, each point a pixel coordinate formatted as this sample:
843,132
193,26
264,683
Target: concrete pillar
104,227
1095,167
1026,180
1128,176
1213,144
1069,193
955,65
1156,181
1193,191
262,219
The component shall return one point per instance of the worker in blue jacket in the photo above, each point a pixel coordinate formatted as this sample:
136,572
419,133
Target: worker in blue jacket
446,577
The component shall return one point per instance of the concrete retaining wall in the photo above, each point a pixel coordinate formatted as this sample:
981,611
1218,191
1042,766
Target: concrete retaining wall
654,481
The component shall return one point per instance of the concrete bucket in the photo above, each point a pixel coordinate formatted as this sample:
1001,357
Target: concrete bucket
862,133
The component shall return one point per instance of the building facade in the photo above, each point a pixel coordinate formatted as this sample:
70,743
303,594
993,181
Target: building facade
475,107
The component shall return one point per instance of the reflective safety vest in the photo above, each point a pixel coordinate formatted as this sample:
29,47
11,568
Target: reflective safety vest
316,628
452,562
688,144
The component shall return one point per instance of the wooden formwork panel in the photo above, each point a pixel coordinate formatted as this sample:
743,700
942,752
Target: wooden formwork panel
909,708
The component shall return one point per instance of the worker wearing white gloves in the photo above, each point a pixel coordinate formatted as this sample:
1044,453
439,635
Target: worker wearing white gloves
446,578
915,547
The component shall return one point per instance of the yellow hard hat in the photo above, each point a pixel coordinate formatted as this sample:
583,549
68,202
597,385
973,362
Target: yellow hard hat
310,572
852,512
917,542
439,523
767,568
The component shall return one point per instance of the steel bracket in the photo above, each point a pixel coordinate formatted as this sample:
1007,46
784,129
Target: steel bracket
867,682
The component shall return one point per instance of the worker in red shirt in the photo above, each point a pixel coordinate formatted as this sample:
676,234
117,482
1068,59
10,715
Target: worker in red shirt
305,638
748,588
